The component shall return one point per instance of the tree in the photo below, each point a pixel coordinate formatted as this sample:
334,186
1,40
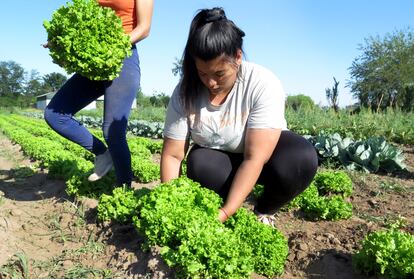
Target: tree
11,78
159,100
142,100
300,101
33,85
53,81
381,74
408,98
332,95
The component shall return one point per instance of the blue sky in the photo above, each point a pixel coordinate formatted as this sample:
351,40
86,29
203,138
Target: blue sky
304,42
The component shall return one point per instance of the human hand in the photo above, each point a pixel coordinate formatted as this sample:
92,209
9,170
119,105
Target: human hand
223,216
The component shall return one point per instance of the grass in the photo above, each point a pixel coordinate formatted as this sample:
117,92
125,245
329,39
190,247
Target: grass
397,126
80,271
76,262
17,267
67,232
392,186
71,263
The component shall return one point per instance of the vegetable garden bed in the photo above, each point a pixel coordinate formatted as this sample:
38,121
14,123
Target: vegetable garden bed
318,247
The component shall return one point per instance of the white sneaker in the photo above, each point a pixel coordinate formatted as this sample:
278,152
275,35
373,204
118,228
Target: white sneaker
103,164
266,219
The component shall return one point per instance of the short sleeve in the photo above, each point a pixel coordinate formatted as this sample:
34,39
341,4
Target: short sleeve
268,104
176,125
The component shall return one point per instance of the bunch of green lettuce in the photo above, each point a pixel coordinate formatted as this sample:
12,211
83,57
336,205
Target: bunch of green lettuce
388,253
121,205
269,246
88,39
333,182
181,216
324,199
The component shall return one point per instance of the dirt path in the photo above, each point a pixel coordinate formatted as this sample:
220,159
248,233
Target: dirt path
46,234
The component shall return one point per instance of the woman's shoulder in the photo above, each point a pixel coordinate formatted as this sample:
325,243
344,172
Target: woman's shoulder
253,72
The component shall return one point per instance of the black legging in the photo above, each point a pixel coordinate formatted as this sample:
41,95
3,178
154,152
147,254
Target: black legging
288,172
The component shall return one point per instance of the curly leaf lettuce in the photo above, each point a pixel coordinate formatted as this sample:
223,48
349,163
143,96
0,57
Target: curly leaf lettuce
88,39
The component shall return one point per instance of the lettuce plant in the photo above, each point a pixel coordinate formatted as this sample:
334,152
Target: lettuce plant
88,39
181,216
333,182
121,205
324,198
388,253
269,246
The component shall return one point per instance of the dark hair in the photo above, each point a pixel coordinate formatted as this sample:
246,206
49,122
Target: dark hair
211,35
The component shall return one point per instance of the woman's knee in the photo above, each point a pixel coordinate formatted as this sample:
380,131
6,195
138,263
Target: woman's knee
53,118
211,168
294,161
115,132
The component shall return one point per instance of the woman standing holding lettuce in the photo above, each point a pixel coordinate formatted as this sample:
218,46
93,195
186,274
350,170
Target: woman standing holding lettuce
79,91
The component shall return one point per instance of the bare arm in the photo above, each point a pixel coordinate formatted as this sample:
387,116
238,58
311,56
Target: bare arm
144,10
172,155
259,146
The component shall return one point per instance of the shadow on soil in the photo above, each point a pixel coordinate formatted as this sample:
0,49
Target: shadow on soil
24,184
126,241
331,263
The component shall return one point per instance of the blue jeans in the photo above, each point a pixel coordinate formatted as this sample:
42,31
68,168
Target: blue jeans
119,94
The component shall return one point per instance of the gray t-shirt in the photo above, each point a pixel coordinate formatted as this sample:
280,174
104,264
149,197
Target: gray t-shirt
257,100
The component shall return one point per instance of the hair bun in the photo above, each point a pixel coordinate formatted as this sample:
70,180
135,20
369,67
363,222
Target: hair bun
215,14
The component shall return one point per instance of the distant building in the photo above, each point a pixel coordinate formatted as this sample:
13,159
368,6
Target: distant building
43,100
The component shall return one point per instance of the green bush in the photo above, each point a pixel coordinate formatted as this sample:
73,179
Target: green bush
297,102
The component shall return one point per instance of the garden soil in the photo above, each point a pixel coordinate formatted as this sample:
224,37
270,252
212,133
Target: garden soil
46,234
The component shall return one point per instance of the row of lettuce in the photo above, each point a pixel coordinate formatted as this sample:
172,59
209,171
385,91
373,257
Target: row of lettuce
68,161
139,128
182,219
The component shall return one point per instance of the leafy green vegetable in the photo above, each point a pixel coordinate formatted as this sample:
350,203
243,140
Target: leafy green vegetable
370,155
182,216
88,39
327,208
269,246
373,155
388,253
145,170
121,205
333,182
324,198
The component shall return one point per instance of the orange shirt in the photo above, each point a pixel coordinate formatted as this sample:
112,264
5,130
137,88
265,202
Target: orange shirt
125,9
